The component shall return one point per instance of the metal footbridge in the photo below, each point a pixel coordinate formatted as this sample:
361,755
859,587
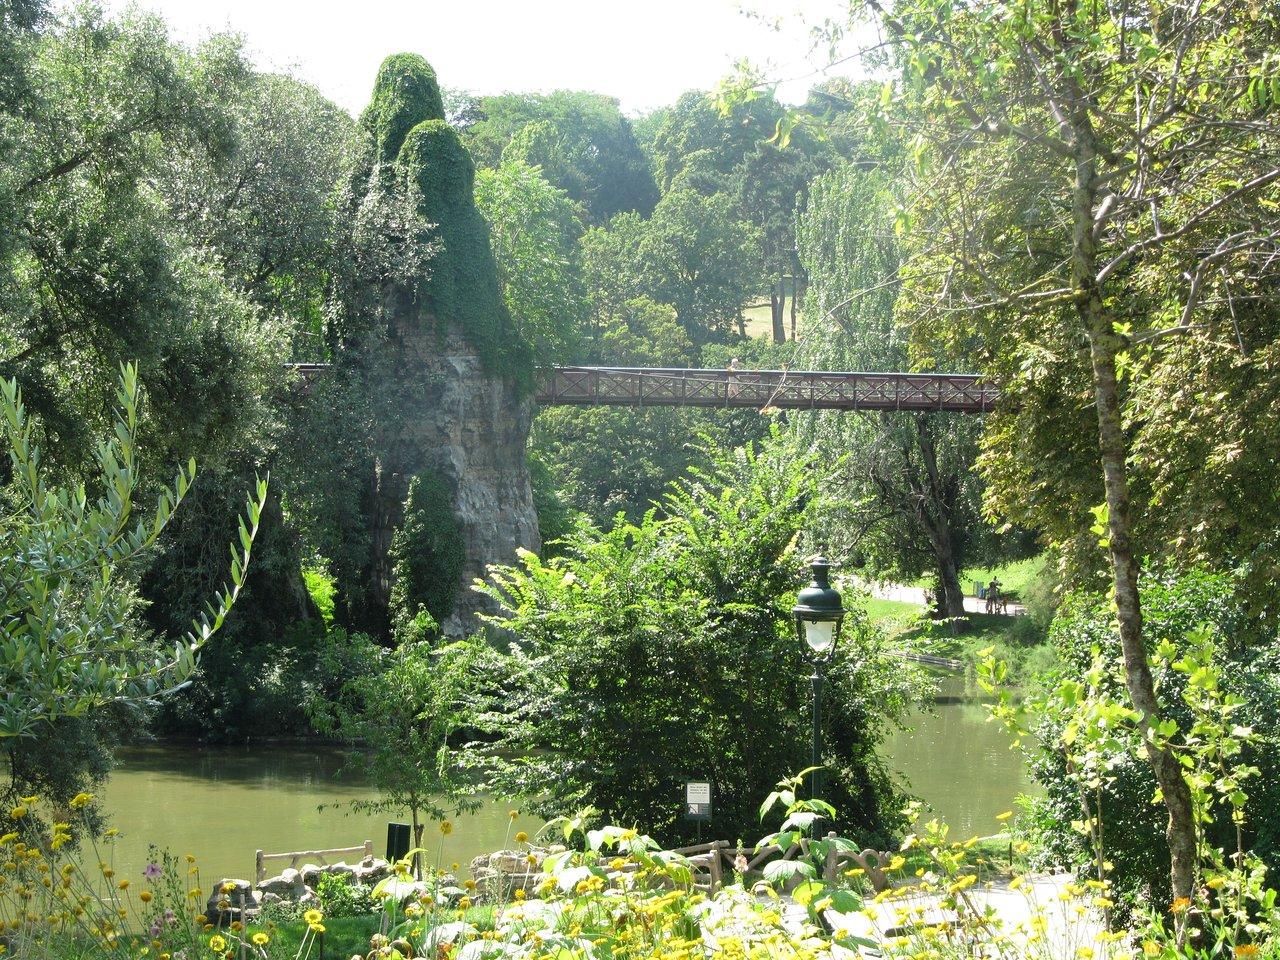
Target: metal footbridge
753,389
764,389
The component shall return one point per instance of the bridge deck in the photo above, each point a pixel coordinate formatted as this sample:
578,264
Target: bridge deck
759,389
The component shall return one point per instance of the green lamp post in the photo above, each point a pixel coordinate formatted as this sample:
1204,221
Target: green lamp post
819,614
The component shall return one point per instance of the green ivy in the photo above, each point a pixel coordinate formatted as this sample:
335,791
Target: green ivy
427,553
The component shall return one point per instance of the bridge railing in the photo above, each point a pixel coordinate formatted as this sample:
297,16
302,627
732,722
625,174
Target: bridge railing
786,389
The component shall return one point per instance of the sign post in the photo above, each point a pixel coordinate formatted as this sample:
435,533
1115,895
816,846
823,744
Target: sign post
697,802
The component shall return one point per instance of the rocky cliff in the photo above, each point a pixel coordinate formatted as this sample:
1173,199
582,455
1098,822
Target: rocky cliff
452,492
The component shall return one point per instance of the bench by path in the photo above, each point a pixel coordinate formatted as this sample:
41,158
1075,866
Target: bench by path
905,594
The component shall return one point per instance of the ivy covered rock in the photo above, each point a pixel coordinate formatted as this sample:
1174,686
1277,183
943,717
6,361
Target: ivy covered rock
417,311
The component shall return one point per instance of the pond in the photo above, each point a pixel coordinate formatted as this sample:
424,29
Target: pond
960,765
222,804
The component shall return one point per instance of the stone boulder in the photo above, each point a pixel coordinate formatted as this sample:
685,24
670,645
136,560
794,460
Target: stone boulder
233,904
288,885
500,874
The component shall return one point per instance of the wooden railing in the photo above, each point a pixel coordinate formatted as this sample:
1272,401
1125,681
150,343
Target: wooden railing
319,857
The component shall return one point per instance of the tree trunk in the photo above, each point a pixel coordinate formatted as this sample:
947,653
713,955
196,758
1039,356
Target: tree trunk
1104,343
742,325
936,516
777,296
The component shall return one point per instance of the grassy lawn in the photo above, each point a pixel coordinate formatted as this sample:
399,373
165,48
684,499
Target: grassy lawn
886,611
346,936
759,321
343,936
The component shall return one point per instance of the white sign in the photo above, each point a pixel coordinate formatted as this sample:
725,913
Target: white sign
695,792
697,800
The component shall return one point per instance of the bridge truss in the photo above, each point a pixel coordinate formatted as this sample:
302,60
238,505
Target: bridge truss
761,389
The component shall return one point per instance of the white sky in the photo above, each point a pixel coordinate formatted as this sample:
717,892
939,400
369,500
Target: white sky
644,53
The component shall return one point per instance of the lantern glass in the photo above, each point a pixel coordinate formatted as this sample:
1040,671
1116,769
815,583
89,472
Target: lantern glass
820,635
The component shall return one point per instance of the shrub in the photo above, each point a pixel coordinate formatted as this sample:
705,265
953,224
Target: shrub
342,896
665,650
1176,607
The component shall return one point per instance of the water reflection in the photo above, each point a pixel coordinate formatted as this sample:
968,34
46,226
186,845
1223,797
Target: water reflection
958,763
222,804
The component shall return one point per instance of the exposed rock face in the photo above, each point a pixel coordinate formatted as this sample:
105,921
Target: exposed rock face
452,492
470,430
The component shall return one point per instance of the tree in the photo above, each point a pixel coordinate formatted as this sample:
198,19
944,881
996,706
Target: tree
400,715
1095,185
698,257
71,647
535,242
582,142
666,649
743,147
911,499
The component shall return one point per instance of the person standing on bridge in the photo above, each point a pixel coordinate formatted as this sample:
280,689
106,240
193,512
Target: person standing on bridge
734,366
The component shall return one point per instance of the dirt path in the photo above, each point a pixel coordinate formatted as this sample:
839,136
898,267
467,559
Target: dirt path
905,594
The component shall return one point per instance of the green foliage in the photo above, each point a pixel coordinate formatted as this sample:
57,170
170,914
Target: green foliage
342,896
535,243
462,286
664,649
1176,608
910,496
405,94
70,563
400,715
427,552
581,141
76,665
322,589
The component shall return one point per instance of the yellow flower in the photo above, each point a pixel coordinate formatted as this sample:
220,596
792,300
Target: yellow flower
123,884
260,939
81,800
522,837
18,812
520,894
446,827
316,927
469,884
237,926
201,918
111,832
217,943
513,814
190,858
145,896
228,887
29,801
1216,883
313,916
1180,905
464,903
1245,950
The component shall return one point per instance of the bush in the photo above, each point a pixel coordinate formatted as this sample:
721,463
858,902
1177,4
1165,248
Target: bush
665,650
1174,607
341,896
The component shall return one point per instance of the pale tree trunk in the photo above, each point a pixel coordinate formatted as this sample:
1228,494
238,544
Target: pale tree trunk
1104,343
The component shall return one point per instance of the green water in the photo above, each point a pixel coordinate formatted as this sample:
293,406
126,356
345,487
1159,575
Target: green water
960,765
222,804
